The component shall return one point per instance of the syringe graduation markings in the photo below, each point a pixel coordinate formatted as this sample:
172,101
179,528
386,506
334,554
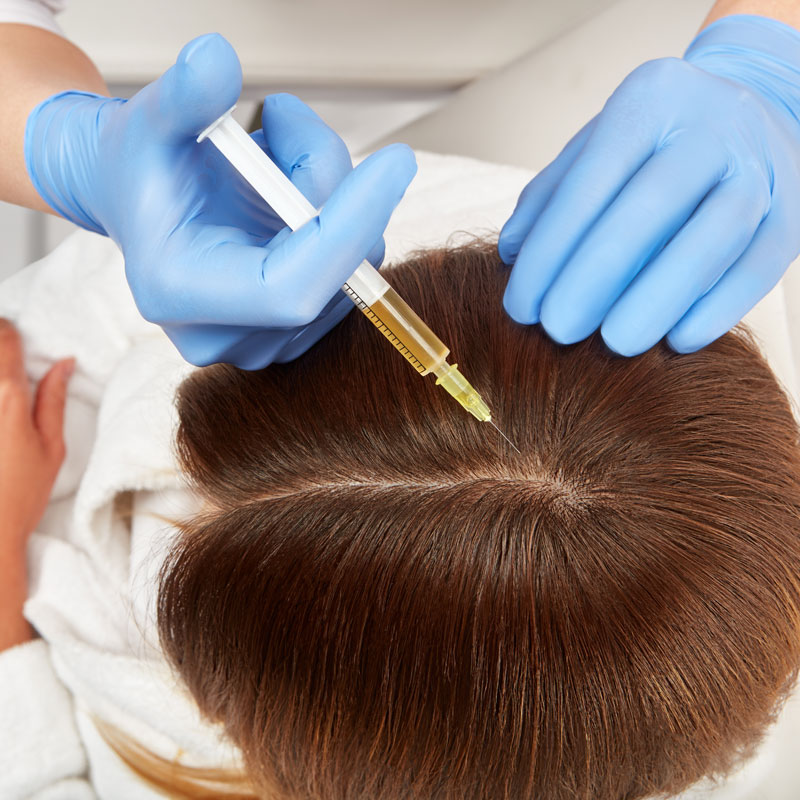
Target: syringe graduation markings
366,287
383,328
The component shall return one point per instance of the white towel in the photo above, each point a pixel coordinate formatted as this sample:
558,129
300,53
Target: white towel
92,569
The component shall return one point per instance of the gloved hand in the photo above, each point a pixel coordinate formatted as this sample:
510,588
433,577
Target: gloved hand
674,210
204,256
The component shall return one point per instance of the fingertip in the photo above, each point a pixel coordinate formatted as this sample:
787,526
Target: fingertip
285,101
204,83
683,342
620,344
627,332
519,311
50,404
558,335
55,381
507,246
12,363
207,50
281,114
8,330
561,324
405,155
692,332
67,367
376,185
397,159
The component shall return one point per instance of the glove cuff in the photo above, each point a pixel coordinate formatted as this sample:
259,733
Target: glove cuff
757,51
59,156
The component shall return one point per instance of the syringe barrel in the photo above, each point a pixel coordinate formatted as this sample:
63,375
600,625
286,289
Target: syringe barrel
395,319
365,287
260,171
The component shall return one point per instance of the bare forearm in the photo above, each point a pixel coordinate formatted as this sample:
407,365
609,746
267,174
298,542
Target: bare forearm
787,11
34,64
14,628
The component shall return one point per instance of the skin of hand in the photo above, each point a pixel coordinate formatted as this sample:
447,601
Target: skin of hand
671,213
787,11
31,430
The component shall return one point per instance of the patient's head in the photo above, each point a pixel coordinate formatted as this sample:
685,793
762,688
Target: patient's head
384,601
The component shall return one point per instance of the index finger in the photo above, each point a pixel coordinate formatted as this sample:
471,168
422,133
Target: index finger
308,151
232,282
12,363
614,151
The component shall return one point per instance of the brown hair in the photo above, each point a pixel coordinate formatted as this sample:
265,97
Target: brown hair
383,601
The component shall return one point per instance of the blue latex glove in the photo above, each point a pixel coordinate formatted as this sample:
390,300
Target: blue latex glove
204,256
674,210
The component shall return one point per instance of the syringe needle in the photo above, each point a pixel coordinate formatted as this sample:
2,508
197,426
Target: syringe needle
503,435
366,287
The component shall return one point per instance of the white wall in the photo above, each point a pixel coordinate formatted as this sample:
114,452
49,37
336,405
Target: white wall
525,113
404,43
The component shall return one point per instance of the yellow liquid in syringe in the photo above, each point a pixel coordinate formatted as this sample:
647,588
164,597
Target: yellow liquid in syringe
383,306
420,346
398,322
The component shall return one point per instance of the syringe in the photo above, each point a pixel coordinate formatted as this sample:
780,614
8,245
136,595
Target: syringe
366,287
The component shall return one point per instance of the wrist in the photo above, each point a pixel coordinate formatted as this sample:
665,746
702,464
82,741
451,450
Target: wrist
60,151
760,52
14,632
14,628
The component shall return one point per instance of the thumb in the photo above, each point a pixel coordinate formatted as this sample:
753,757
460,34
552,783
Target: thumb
48,410
200,87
